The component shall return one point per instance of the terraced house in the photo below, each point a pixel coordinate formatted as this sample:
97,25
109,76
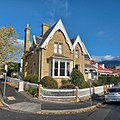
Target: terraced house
54,53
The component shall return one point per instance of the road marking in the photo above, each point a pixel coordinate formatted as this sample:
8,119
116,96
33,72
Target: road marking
10,98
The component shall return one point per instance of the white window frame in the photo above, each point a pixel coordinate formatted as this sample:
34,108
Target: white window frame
55,47
60,48
76,53
66,69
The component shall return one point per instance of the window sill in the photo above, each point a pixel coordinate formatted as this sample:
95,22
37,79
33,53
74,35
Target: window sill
61,77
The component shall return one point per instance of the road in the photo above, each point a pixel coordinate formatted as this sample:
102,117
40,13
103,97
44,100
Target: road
110,112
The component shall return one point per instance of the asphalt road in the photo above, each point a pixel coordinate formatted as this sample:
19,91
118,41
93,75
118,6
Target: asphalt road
9,115
110,112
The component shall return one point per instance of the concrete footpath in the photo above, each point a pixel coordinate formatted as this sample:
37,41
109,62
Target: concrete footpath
21,101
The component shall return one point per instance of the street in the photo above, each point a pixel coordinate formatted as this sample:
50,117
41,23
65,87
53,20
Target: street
109,112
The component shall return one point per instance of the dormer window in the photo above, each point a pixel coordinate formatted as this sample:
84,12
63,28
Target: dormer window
77,54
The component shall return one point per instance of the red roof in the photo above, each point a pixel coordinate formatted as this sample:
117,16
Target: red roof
92,62
102,69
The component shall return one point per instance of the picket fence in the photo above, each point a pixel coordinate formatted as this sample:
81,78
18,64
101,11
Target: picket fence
60,93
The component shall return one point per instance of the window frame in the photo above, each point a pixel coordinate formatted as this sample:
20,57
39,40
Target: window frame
76,53
55,47
60,48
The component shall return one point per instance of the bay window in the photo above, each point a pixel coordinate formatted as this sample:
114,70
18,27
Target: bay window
56,69
60,68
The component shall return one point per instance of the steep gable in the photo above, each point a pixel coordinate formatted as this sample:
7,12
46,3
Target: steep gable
79,41
49,35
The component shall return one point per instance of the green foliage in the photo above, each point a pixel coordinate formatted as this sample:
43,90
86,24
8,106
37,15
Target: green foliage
33,92
77,78
106,80
13,68
49,82
67,86
65,82
109,80
85,84
10,47
31,78
96,83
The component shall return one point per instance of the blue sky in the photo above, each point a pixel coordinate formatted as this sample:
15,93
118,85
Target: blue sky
96,21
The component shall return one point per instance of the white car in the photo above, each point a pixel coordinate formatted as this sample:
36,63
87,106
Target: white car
113,94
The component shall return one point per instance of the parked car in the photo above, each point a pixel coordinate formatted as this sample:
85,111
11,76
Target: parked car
113,94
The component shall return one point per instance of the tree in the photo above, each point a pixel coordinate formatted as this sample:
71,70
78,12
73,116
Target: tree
10,48
13,67
77,79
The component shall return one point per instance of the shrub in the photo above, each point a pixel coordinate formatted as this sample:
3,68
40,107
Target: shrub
68,86
96,83
31,78
49,82
33,92
109,80
85,84
77,78
65,82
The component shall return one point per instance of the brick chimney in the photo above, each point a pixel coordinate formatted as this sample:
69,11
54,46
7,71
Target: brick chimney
45,28
27,38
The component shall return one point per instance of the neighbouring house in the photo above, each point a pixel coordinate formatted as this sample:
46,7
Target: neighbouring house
103,71
54,53
117,68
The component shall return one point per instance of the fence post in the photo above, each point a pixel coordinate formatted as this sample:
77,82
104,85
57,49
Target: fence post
76,94
20,86
39,90
106,87
93,89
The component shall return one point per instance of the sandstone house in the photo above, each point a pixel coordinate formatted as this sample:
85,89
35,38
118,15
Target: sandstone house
54,53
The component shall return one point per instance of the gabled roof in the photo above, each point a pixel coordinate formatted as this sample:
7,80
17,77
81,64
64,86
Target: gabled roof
78,40
44,40
49,34
37,40
73,40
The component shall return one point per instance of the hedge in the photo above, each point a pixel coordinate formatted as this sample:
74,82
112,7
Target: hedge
31,78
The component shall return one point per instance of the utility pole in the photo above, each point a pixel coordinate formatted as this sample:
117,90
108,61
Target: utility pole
89,78
90,94
5,75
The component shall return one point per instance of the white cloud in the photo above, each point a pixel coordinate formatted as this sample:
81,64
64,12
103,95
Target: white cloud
107,57
21,42
56,9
